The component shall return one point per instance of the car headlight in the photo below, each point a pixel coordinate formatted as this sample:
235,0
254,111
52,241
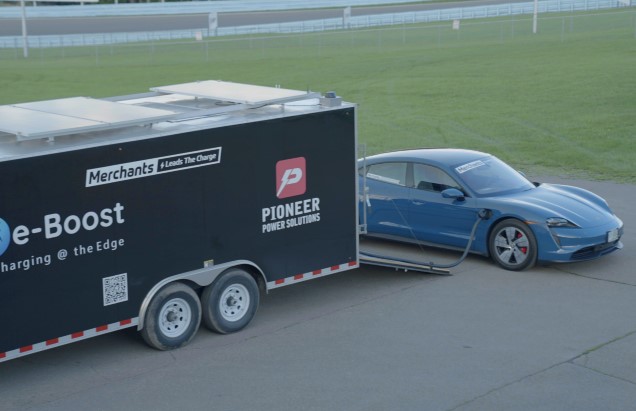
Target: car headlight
560,222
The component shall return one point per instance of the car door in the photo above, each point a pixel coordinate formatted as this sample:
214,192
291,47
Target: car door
433,218
387,199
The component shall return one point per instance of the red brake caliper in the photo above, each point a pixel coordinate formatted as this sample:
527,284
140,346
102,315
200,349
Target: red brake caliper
523,249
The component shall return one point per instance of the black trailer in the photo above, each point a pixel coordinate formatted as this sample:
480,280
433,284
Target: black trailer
167,209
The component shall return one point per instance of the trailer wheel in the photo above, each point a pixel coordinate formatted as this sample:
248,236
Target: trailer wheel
173,317
229,304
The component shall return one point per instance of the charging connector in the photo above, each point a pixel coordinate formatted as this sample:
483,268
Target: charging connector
483,214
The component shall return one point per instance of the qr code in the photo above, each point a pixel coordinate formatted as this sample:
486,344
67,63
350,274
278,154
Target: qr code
115,289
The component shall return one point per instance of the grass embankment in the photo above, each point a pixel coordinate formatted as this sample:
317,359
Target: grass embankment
562,101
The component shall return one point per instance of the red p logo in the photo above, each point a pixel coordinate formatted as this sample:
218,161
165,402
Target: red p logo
290,177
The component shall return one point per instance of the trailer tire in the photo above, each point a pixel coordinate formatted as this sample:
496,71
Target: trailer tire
173,317
230,303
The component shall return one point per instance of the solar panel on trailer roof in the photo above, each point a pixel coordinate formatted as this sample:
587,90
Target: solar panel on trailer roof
42,119
235,92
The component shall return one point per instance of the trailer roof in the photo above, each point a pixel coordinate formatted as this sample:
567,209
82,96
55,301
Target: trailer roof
41,127
53,118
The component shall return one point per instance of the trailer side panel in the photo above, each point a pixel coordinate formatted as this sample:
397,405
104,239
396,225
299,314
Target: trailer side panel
85,234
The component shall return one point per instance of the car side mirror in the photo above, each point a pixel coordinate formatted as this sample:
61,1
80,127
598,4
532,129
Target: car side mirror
453,193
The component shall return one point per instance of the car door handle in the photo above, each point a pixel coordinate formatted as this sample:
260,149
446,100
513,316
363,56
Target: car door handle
418,203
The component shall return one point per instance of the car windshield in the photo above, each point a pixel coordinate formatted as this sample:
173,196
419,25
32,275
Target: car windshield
490,176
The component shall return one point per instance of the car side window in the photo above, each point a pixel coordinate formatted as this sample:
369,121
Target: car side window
432,178
393,173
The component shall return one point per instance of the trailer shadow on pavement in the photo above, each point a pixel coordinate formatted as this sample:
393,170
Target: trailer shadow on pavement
551,338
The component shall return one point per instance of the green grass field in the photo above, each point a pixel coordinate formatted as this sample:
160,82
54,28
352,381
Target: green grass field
560,102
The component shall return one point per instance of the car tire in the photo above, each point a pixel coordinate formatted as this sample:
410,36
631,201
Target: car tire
512,245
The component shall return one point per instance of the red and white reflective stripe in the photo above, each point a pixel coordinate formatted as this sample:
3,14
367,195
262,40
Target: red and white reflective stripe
67,339
312,274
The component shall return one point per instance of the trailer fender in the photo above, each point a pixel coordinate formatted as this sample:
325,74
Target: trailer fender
202,277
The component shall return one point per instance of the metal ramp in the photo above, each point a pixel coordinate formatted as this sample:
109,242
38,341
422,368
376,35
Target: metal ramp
395,255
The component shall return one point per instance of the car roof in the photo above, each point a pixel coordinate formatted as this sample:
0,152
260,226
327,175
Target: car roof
441,156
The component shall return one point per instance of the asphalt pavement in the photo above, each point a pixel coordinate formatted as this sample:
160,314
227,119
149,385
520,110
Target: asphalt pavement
559,337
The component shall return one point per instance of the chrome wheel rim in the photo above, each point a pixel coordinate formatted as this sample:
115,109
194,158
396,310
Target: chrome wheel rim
234,302
175,317
512,246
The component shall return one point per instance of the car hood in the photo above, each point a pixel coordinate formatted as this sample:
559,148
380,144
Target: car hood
581,207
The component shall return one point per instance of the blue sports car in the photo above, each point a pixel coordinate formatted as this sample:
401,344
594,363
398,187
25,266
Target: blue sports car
435,197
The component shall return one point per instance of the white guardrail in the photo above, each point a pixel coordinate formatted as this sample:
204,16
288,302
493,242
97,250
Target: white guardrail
353,22
184,7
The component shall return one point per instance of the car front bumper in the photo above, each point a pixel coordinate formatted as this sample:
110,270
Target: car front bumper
577,244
